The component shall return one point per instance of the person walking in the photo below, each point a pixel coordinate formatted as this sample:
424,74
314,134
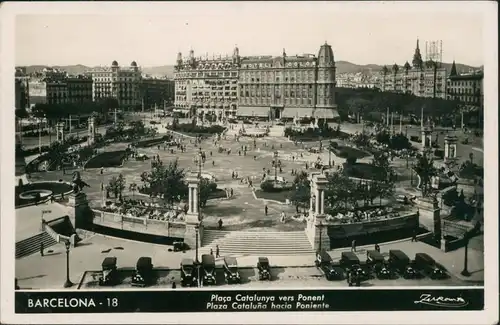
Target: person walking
377,248
220,224
353,245
232,192
217,251
414,236
266,210
41,249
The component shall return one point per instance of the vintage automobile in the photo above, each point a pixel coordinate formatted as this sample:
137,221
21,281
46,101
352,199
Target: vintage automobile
208,268
231,273
428,266
375,260
188,273
264,268
109,272
348,260
325,263
400,263
179,246
143,272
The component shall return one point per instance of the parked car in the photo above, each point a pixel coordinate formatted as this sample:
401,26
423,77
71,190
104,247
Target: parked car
109,272
264,268
400,263
179,246
348,260
428,266
188,273
208,268
377,264
325,263
143,272
231,273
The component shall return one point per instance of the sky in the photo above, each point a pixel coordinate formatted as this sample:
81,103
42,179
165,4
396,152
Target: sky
153,33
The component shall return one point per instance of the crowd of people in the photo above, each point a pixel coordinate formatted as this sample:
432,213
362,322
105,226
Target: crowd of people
363,215
137,208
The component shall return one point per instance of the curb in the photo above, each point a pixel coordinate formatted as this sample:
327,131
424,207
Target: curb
266,200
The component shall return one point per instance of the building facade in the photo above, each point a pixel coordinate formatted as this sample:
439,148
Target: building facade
258,86
422,79
21,81
157,92
122,83
466,88
74,90
207,86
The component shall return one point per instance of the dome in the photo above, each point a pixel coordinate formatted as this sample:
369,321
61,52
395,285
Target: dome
133,64
114,64
325,55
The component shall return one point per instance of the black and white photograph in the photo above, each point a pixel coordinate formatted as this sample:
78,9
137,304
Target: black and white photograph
249,162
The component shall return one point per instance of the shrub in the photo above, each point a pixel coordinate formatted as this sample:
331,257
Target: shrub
106,159
450,197
334,144
414,138
439,153
269,187
399,142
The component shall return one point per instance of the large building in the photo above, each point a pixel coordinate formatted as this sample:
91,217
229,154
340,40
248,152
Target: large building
466,88
288,86
157,92
207,86
422,79
258,86
79,89
122,83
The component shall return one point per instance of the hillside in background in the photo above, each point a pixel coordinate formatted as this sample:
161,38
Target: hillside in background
168,70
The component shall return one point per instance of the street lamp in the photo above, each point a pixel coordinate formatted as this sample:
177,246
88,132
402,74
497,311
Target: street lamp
320,226
68,283
197,261
465,271
275,167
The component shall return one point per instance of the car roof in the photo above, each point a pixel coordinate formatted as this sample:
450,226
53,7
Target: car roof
109,261
231,261
207,259
187,261
324,255
350,255
424,256
375,254
263,260
144,261
398,253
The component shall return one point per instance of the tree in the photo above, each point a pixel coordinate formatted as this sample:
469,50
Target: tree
206,188
166,181
380,159
132,187
301,190
351,160
340,191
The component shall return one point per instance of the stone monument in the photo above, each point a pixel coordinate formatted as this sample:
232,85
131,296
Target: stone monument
193,218
91,130
60,132
316,220
450,147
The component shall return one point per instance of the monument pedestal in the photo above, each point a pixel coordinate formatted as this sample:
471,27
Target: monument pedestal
80,213
430,215
193,226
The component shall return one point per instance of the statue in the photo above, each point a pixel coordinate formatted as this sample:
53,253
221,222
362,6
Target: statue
78,183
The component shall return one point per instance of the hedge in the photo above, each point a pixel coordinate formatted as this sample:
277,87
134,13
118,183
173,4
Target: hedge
194,129
107,159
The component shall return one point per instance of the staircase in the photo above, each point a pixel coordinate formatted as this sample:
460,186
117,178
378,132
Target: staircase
31,245
256,243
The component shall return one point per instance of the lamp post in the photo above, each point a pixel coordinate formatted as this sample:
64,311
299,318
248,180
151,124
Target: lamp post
196,260
320,226
465,271
68,283
275,167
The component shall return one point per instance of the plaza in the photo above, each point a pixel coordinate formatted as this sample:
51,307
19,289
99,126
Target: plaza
243,214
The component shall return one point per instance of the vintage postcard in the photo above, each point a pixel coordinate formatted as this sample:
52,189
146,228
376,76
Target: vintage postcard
249,162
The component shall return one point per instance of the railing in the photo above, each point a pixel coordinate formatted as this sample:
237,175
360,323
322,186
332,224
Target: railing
140,224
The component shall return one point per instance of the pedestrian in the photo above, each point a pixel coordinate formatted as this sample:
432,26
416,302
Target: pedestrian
265,210
211,252
414,236
353,245
217,251
220,224
349,279
232,192
174,285
377,248
213,162
41,249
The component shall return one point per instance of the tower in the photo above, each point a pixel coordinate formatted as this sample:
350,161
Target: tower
325,93
179,61
453,71
192,59
417,58
114,66
236,56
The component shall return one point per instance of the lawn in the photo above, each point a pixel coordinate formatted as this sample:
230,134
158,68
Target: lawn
365,171
275,196
107,159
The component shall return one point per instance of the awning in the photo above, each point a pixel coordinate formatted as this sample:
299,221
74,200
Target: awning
258,111
291,112
328,113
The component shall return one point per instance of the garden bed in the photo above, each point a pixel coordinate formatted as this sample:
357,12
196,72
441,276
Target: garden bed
194,130
152,142
57,188
345,151
281,196
365,171
107,159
